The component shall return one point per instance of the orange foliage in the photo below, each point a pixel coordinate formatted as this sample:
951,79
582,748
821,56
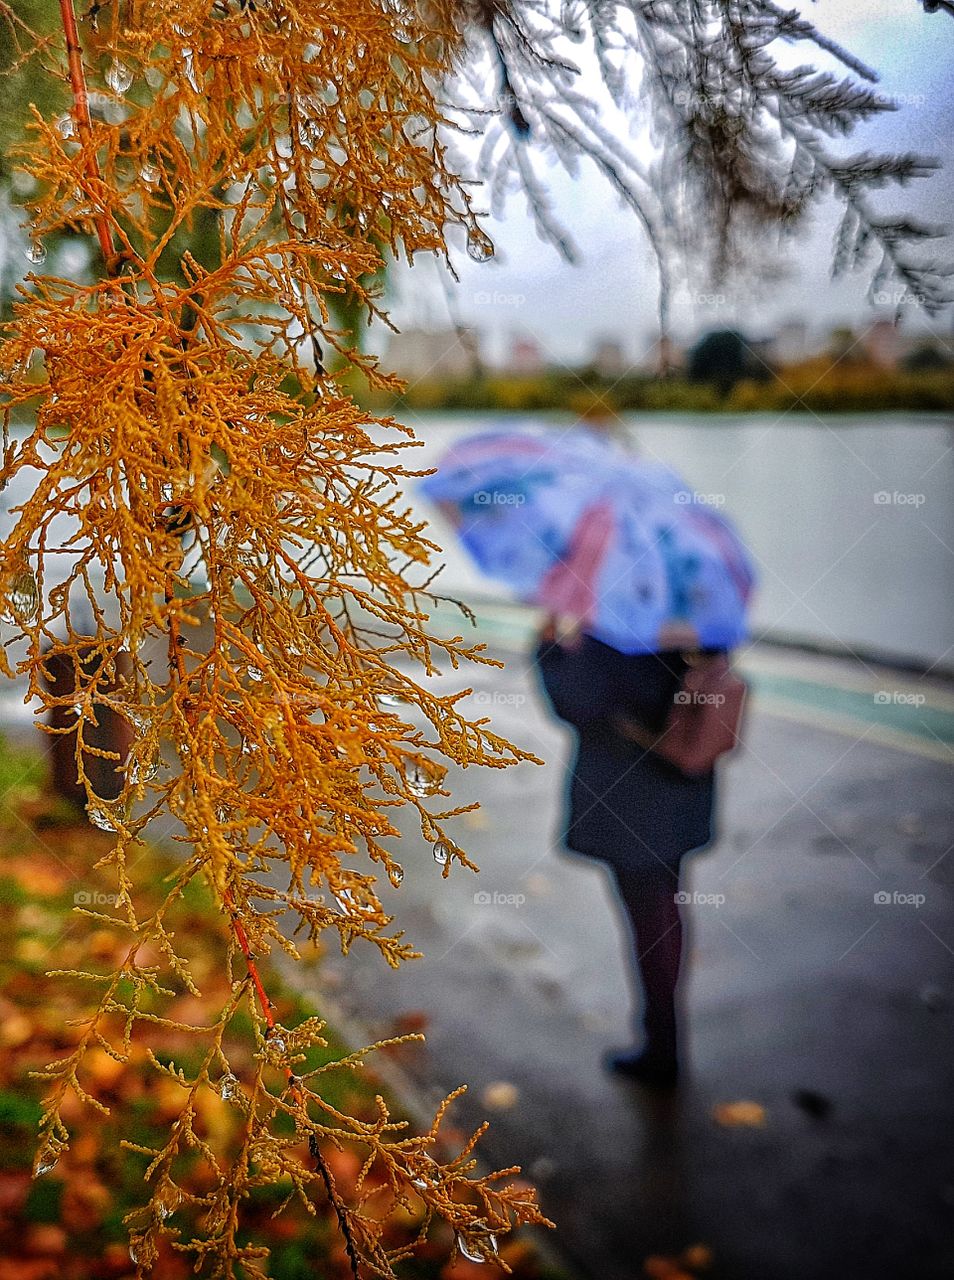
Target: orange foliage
217,499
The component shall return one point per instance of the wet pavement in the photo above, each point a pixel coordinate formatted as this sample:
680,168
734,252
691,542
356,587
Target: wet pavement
820,985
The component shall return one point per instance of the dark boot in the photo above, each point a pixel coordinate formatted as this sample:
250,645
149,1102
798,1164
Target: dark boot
652,908
644,1066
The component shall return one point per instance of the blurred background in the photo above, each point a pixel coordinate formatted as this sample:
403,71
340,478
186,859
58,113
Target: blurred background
811,1138
817,412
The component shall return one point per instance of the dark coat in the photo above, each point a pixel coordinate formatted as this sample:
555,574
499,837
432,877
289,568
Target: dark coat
627,805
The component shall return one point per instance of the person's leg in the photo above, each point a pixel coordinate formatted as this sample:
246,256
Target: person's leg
652,909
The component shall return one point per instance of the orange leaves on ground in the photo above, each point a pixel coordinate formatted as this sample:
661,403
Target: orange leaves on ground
743,1114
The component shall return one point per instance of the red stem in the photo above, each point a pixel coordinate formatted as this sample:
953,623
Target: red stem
260,993
84,123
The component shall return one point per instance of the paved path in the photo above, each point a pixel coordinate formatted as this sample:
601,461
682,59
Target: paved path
821,958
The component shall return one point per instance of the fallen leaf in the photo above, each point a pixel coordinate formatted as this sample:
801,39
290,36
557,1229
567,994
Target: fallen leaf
538,884
103,944
739,1115
659,1267
33,951
14,1189
35,1269
500,1096
15,1031
103,1069
345,1165
411,1022
46,1237
698,1257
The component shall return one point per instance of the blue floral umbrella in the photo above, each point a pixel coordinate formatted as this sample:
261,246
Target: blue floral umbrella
617,544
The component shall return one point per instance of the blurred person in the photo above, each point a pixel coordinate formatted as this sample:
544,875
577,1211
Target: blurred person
647,587
634,811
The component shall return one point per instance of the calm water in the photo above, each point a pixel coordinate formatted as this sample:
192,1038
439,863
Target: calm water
851,520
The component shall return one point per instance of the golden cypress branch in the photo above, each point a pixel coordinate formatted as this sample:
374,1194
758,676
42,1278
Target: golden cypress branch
201,485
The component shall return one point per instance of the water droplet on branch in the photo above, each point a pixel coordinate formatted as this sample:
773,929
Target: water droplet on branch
137,718
188,66
167,1200
480,247
35,252
229,1087
442,853
119,77
477,1248
23,597
99,817
143,769
425,1180
275,1041
421,782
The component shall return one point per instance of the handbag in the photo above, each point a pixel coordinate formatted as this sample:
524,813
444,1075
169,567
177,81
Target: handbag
703,722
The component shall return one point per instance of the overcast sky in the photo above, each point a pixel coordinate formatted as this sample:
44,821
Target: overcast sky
612,291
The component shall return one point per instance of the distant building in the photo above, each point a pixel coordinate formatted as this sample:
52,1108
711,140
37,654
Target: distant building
434,353
882,345
790,345
608,359
661,356
525,356
840,342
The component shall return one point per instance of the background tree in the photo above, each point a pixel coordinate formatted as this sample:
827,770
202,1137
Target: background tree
743,145
724,357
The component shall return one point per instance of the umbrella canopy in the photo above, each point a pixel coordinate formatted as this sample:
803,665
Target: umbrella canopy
618,544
